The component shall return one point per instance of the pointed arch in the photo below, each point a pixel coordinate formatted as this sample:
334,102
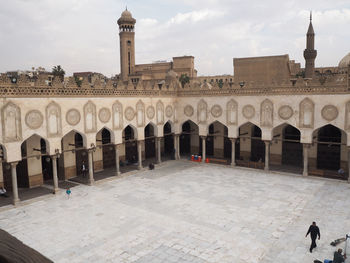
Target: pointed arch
104,156
168,127
330,142
84,139
112,137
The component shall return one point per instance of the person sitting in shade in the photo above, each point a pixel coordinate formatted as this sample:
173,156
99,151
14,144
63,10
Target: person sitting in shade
338,257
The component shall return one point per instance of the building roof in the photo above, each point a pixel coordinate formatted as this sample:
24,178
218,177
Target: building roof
345,62
126,17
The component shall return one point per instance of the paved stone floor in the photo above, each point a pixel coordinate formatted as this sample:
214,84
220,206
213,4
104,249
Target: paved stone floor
186,212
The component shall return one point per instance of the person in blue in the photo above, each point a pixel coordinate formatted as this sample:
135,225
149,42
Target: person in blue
68,192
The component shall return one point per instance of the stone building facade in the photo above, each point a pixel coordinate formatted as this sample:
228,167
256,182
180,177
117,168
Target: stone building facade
288,121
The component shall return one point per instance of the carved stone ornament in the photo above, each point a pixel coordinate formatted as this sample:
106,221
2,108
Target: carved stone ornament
232,112
216,111
285,112
11,123
117,109
169,111
347,116
140,113
90,117
150,112
329,112
266,113
188,110
306,113
248,111
53,120
73,117
34,119
104,115
129,113
160,113
202,112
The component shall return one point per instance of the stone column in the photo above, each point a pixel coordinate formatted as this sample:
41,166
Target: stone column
306,159
159,152
178,146
91,168
117,168
267,155
139,152
176,149
14,183
54,173
1,173
233,151
203,148
348,164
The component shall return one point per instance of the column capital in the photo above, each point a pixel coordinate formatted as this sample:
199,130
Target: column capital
14,163
233,139
55,156
91,150
203,137
307,145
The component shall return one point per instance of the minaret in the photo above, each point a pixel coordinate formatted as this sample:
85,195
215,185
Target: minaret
310,53
127,44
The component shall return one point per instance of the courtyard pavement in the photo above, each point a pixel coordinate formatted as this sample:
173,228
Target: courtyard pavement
186,212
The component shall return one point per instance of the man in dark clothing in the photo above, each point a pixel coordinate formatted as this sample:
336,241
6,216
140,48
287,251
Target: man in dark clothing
338,257
314,231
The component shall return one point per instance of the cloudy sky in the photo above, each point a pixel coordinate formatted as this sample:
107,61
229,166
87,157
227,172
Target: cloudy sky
82,35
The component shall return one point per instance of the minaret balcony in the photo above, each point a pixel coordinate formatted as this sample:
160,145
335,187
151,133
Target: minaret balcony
310,53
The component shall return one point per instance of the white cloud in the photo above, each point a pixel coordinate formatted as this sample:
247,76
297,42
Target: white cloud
195,16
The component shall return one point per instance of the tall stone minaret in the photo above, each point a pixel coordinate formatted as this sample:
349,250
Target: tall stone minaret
310,53
127,44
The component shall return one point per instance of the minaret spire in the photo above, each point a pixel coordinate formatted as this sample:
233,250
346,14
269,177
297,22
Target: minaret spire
310,53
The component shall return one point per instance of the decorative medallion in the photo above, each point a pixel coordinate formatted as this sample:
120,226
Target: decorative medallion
188,110
73,117
248,111
150,112
104,115
169,111
285,112
329,112
216,111
129,113
34,119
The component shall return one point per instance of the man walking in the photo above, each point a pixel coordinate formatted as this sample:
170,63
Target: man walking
314,231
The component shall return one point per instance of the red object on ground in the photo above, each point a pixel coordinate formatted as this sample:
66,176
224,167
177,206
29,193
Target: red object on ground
199,158
207,160
192,157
